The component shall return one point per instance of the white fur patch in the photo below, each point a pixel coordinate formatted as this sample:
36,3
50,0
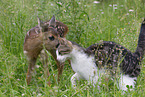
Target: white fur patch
25,52
126,80
83,65
28,33
61,58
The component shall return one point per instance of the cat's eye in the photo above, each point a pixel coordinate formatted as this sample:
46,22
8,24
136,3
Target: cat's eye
51,38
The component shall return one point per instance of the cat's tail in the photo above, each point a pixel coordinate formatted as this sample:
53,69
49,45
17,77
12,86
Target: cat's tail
141,41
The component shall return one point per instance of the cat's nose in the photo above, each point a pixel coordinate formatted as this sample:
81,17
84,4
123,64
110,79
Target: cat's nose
57,45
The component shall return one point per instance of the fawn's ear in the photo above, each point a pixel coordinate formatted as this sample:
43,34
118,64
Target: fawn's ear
40,23
52,22
61,28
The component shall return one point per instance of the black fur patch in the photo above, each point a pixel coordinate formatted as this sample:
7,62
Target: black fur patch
110,55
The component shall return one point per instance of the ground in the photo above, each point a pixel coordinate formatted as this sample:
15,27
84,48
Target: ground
88,22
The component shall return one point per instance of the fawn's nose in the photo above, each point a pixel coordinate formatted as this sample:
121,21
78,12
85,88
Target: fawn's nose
57,45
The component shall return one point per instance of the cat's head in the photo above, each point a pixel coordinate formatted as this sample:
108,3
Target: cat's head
65,46
64,50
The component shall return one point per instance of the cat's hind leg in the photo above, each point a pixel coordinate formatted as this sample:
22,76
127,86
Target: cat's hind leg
126,80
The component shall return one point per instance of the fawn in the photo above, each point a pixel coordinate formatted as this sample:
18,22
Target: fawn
106,58
43,36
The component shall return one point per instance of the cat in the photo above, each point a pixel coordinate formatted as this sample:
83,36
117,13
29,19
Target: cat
99,58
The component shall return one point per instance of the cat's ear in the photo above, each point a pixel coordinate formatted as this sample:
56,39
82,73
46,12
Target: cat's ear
143,22
52,22
40,23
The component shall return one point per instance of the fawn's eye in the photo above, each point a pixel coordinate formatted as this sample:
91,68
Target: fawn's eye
51,38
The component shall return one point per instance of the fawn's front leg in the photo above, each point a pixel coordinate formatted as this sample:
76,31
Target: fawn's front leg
44,59
32,62
59,65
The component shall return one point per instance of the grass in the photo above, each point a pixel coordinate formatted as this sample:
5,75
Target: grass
88,22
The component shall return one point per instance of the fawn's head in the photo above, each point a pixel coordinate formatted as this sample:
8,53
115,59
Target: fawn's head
43,35
49,34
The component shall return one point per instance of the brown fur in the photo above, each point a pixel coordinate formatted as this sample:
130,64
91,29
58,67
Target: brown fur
37,39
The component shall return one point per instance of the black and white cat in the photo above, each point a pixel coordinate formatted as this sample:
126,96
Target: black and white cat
99,58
